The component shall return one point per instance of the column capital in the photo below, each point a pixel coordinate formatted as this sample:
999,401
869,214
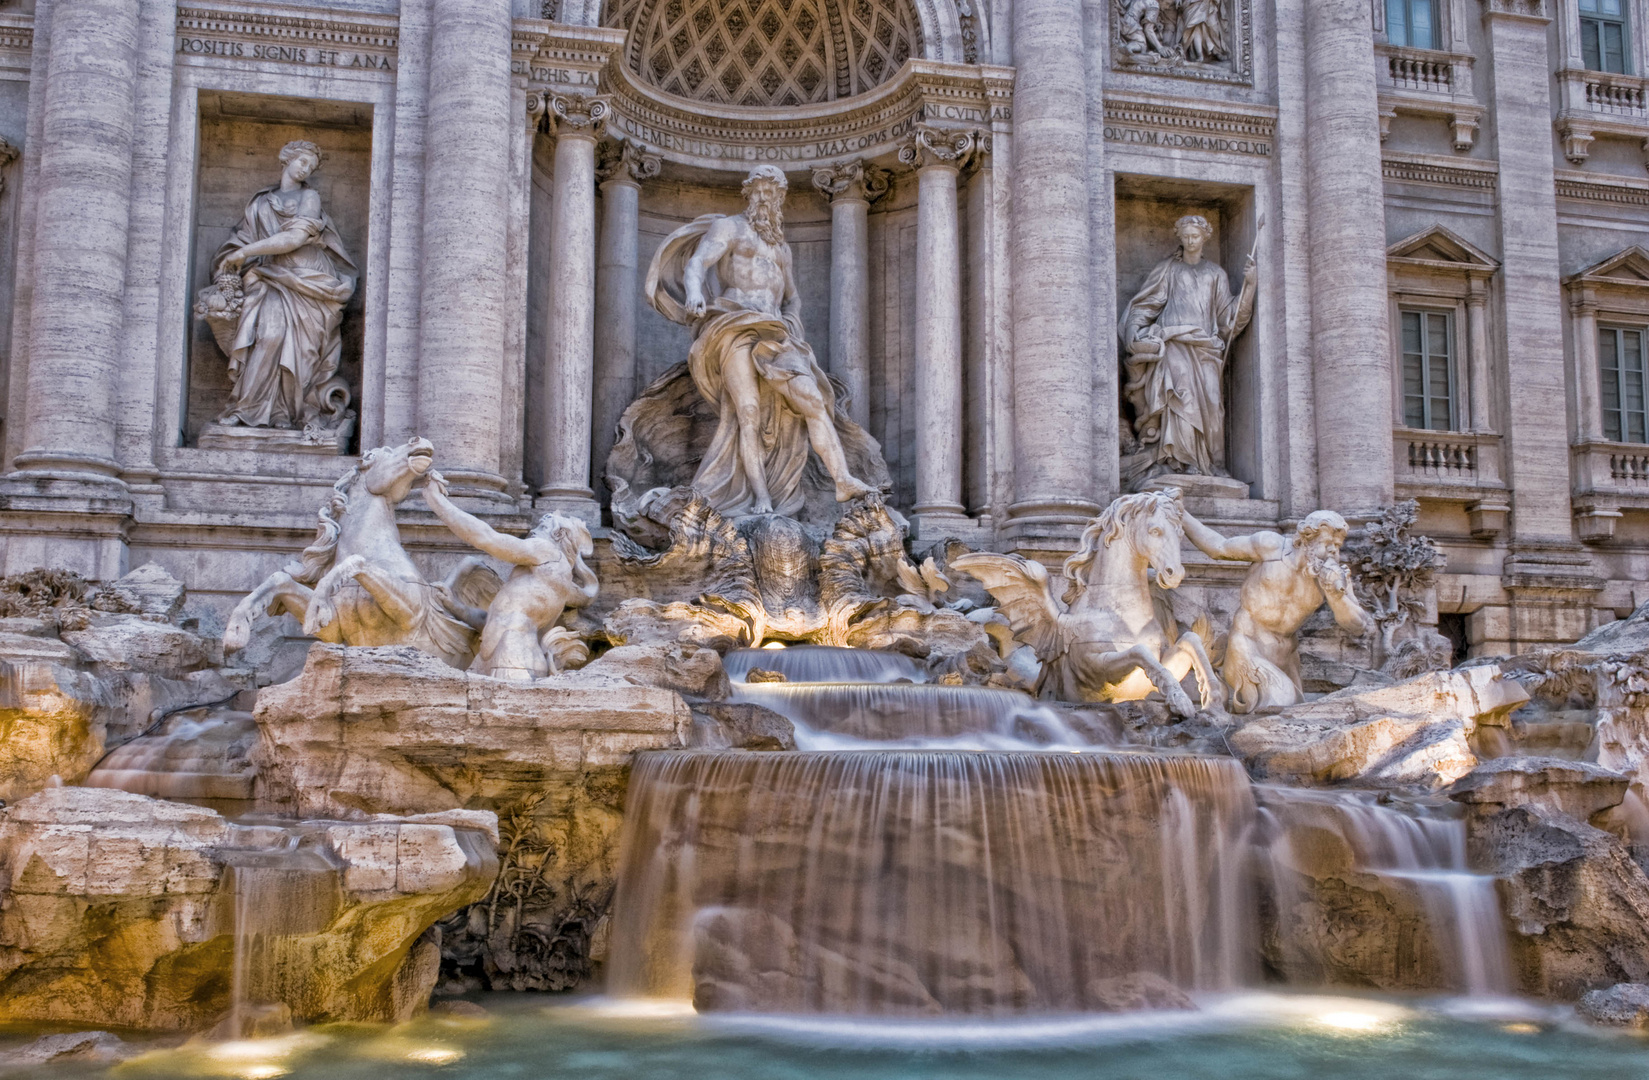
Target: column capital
576,115
853,181
626,162
936,146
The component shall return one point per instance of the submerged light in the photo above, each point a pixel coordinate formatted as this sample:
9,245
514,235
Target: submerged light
1351,1021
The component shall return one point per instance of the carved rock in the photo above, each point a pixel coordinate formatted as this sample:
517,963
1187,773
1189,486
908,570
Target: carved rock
1412,734
120,911
394,730
1575,788
1622,1005
1576,903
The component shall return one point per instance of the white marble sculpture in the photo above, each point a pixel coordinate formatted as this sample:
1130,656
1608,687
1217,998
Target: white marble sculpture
355,585
1202,30
1290,579
749,357
1103,639
1176,336
521,639
276,305
1159,31
1139,22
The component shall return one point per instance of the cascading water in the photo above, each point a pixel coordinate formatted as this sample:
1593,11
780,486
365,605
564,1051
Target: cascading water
833,715
283,889
824,663
1411,862
199,756
924,882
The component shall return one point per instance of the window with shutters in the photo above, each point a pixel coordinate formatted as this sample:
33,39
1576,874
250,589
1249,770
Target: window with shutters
1603,35
1620,361
1413,23
1428,369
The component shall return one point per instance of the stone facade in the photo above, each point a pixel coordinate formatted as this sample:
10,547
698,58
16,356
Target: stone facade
976,192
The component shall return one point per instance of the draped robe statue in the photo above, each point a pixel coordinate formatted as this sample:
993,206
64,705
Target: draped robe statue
1176,333
294,279
730,279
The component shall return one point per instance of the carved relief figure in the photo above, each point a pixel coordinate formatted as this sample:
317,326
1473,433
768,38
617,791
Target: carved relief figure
1102,640
1290,579
356,585
1202,31
521,640
1140,24
1176,336
731,279
280,283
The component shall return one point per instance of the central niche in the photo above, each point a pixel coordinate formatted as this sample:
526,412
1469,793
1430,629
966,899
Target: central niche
767,53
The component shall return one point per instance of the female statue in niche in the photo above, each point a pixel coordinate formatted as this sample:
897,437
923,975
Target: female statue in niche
280,283
1176,334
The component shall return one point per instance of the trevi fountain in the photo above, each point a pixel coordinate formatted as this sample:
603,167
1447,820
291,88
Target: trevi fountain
824,538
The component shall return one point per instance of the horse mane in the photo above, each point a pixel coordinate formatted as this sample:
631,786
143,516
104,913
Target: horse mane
318,557
1108,526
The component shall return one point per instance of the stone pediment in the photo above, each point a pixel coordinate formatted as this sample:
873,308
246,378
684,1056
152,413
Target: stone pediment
1629,267
1439,247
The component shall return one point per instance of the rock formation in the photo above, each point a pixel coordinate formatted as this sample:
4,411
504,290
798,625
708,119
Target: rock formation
121,909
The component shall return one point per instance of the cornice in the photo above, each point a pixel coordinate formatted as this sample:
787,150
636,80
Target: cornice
1444,172
548,44
1618,190
275,24
17,33
938,93
1159,120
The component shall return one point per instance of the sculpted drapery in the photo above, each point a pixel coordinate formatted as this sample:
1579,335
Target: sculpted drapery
730,279
296,279
1175,336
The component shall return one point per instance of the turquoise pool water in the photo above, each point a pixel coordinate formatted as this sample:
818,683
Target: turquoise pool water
1242,1037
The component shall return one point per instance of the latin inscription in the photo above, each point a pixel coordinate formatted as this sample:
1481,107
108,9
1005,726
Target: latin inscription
814,151
553,75
1180,140
284,54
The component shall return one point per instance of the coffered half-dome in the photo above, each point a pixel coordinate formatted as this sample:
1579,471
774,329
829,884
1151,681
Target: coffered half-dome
766,52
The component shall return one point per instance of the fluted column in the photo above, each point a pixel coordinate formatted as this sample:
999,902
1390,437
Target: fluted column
850,189
1588,408
81,224
622,169
466,239
1351,361
1055,487
569,377
938,157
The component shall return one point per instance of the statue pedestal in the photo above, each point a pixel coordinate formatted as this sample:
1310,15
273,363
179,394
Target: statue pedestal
1198,487
269,440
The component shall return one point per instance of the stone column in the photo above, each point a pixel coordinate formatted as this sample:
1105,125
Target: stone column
466,228
1477,338
1351,362
569,373
1055,488
622,170
850,189
82,214
1589,425
938,157
1550,578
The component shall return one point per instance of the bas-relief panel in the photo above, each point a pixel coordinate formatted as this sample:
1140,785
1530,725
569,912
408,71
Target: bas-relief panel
239,148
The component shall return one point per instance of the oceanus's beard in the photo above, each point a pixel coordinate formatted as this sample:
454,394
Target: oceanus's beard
767,218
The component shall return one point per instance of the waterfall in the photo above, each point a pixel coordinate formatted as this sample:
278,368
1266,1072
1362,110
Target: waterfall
1337,855
823,663
901,713
920,882
199,756
283,890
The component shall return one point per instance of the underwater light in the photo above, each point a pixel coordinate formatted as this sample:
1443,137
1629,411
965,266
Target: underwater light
434,1055
774,645
264,1071
1521,1027
1351,1021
